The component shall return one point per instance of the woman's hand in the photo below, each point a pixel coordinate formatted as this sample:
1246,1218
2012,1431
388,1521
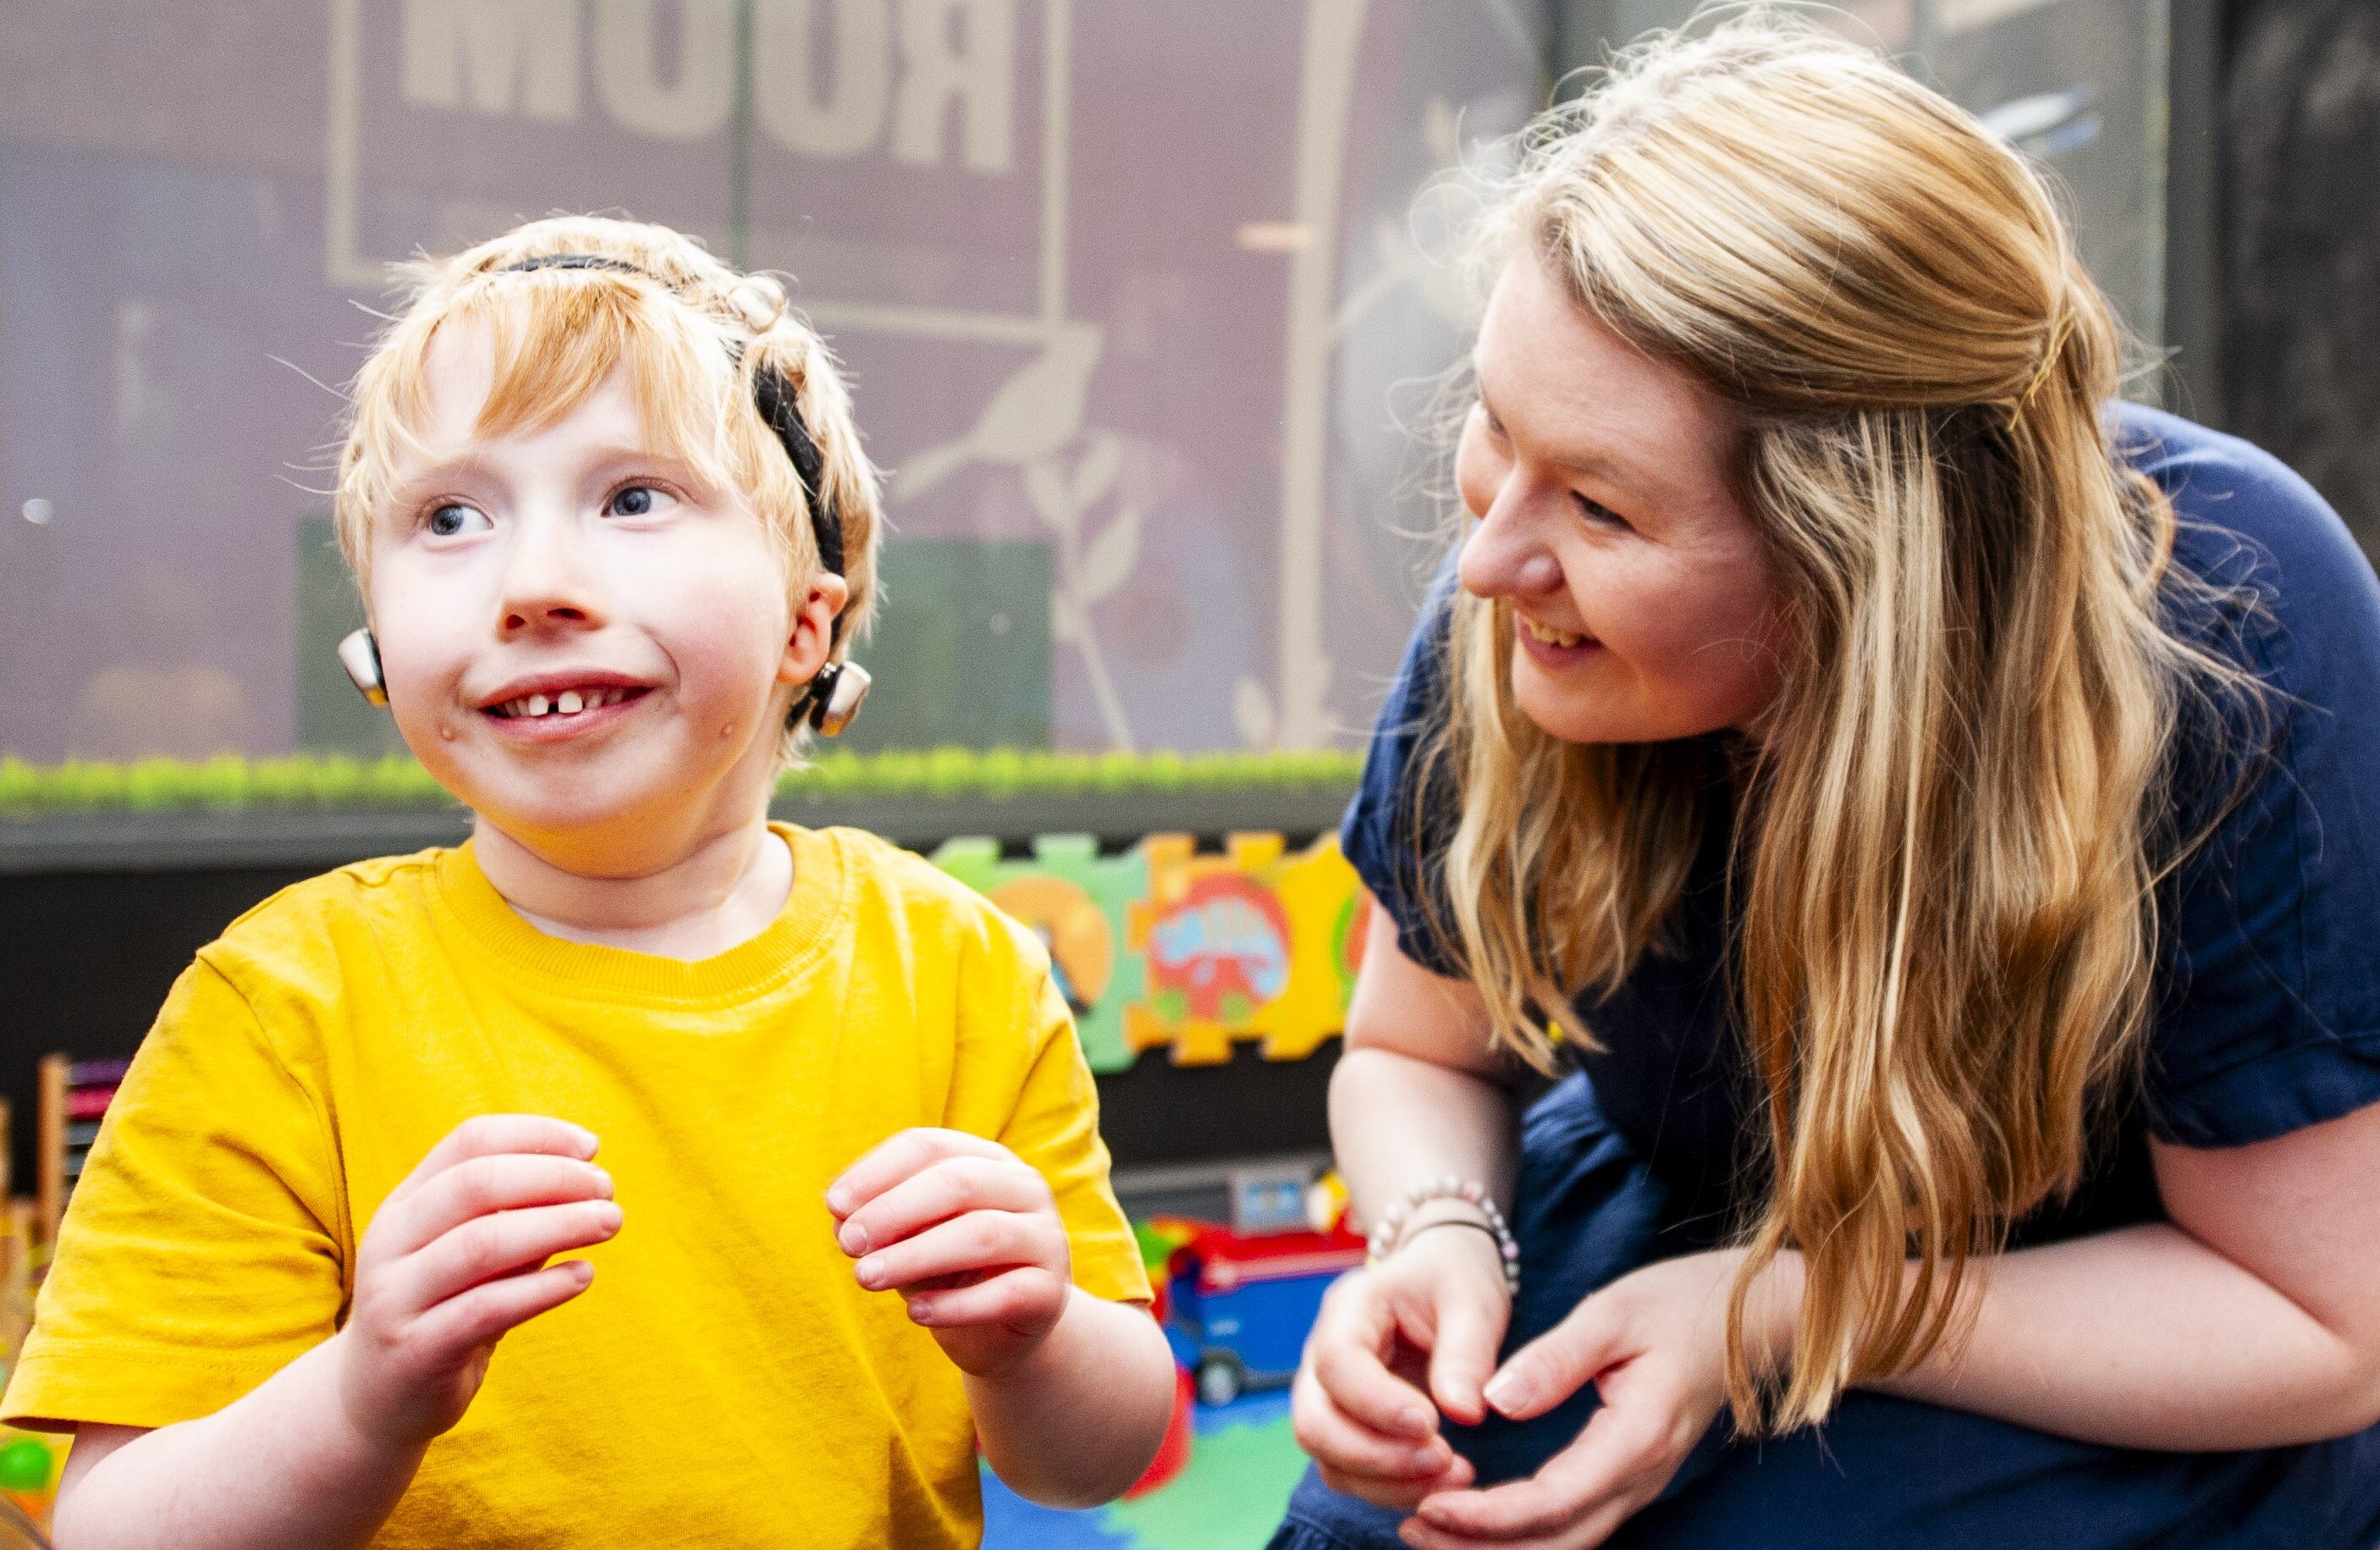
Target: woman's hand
1654,1344
969,1235
1423,1326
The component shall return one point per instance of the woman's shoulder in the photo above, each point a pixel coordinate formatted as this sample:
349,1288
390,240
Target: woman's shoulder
2249,520
2269,1018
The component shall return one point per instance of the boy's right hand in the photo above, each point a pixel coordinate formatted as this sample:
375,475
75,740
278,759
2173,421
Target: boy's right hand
1423,1326
452,1260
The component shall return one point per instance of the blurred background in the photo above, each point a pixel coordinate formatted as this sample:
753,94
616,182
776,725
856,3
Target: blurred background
1145,305
1136,296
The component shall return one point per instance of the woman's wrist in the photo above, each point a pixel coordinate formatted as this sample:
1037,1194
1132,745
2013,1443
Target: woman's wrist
1447,1201
1772,1310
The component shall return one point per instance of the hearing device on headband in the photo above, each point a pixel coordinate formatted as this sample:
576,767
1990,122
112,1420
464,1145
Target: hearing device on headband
832,697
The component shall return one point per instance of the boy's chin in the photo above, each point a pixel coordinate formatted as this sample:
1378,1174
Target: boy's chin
617,810
582,815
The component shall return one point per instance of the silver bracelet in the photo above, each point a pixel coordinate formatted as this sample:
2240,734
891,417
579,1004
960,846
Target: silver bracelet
1388,1234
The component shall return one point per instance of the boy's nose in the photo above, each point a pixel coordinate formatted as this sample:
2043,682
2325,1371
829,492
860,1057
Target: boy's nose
546,581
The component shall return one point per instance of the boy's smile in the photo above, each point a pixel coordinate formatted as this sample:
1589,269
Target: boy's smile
583,640
562,705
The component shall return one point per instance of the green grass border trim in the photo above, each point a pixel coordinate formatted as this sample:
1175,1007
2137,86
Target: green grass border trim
396,782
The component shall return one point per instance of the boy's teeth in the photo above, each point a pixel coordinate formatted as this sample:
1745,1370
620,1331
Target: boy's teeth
570,702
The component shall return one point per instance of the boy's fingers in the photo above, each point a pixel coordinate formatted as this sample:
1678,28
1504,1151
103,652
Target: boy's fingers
936,1193
486,1247
477,1186
979,1240
462,1323
894,1160
1020,1296
485,1134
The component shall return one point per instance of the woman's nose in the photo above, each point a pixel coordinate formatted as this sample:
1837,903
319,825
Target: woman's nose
1505,554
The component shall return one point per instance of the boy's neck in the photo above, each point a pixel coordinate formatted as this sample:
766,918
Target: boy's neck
723,891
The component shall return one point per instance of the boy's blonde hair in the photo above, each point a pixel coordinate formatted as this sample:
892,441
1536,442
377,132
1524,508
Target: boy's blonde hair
1950,827
691,333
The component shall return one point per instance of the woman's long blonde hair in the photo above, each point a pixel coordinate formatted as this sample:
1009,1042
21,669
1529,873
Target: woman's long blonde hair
1949,828
689,333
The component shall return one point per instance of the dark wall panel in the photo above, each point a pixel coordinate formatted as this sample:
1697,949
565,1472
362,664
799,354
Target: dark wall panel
2300,242
86,960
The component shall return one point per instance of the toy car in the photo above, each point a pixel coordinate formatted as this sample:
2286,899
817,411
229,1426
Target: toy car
1239,1307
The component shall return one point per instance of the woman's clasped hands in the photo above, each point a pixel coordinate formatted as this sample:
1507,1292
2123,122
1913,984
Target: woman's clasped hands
1404,1341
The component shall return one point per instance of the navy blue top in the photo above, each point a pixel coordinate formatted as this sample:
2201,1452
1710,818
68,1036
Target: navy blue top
2268,1020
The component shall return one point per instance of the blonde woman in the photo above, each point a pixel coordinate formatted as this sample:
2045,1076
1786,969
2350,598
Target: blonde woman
1932,808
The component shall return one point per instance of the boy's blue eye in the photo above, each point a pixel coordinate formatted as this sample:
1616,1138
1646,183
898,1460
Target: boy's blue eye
639,500
454,517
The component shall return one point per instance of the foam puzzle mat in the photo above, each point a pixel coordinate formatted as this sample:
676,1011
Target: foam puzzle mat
1243,1463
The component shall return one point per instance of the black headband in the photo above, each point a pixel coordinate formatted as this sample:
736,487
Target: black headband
772,393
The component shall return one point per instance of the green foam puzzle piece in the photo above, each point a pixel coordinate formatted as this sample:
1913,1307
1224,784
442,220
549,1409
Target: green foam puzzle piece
1231,1494
1112,883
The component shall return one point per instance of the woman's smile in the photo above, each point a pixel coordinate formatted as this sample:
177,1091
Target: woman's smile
1553,649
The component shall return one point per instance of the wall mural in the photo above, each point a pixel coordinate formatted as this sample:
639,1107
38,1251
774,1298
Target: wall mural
1124,287
1161,947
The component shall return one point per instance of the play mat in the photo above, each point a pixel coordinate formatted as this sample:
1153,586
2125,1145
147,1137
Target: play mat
1229,1497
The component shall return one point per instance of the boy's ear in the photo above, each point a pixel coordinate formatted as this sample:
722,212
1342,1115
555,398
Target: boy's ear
810,640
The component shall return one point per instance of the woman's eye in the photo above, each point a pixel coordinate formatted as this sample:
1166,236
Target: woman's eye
453,518
639,500
1596,512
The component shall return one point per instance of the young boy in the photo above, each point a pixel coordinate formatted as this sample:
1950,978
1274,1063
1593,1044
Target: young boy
614,530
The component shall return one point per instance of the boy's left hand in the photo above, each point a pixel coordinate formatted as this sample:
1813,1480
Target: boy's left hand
967,1232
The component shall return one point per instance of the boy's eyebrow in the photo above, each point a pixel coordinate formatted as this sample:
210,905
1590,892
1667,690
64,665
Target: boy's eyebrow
429,476
467,466
613,455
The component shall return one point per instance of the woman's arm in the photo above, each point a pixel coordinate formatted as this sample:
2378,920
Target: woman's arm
1419,1093
1417,1096
2252,1320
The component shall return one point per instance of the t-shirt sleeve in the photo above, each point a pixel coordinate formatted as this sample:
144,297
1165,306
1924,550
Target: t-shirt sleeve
1395,832
202,1249
2269,1015
1053,1124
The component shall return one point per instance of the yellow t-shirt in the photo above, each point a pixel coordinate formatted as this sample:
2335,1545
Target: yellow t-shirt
725,1380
